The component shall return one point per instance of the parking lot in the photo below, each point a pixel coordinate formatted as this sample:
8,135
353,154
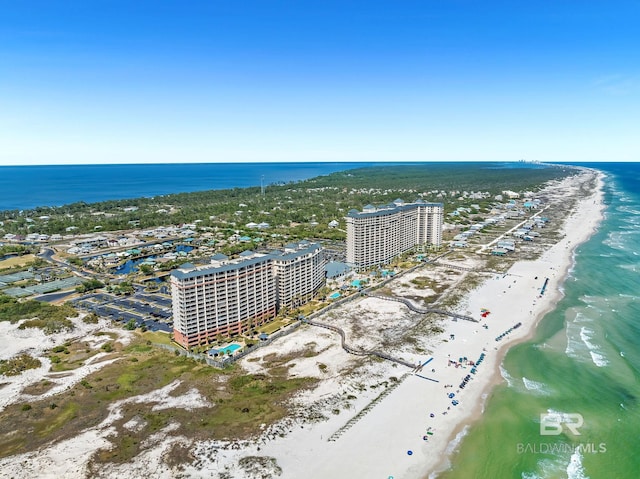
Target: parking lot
151,310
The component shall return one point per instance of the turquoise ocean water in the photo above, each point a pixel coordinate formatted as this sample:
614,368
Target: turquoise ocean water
584,360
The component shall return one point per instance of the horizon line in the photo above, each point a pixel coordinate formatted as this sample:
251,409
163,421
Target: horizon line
314,162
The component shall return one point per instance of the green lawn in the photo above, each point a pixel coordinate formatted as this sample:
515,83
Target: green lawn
272,327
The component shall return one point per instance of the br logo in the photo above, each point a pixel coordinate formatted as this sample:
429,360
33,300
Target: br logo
552,424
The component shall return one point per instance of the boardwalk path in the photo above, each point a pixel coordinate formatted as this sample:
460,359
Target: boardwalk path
416,309
380,354
355,351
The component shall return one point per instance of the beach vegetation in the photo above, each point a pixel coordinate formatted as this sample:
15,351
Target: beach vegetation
238,403
48,317
38,388
70,356
18,364
50,325
91,318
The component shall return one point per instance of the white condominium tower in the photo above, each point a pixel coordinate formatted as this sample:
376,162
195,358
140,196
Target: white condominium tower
227,296
377,235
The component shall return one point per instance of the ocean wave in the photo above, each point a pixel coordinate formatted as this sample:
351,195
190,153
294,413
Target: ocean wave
616,240
558,415
628,232
575,469
507,377
629,267
614,244
580,345
535,386
632,221
631,225
586,298
628,209
628,296
573,344
552,467
483,401
455,442
597,357
583,318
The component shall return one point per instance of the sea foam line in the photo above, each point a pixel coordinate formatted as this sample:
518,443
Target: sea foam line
597,357
575,469
535,386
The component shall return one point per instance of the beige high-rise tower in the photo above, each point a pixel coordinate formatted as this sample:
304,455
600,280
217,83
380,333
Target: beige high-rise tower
376,235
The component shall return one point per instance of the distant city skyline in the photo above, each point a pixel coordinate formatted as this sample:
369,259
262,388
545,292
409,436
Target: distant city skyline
255,81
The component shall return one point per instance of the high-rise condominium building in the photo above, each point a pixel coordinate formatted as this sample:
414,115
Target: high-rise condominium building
229,296
376,235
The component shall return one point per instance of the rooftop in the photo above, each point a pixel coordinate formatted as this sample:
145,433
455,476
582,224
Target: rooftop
397,205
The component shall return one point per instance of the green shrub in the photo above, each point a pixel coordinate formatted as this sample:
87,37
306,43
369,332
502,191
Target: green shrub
15,366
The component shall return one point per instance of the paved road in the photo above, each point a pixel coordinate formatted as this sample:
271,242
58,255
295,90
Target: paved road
48,255
483,247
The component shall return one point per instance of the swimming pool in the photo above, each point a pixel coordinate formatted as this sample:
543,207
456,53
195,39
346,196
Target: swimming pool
335,295
231,348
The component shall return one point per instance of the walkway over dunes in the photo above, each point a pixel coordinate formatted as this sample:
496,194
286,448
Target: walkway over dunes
355,351
416,309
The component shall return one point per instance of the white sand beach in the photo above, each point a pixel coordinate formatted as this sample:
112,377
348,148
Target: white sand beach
409,431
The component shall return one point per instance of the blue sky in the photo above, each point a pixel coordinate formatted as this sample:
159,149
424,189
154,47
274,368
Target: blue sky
222,81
